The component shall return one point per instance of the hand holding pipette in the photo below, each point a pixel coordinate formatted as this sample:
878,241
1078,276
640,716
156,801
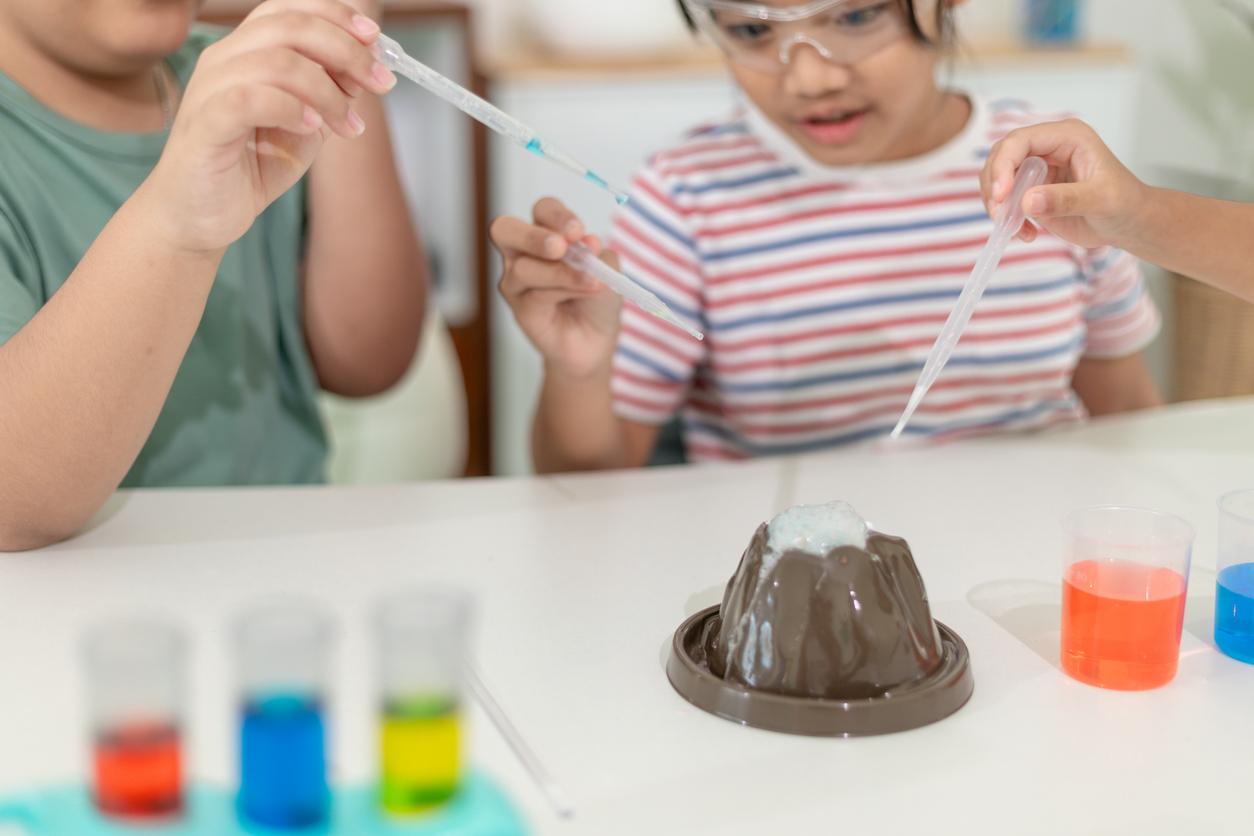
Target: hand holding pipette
580,258
394,58
1031,174
552,280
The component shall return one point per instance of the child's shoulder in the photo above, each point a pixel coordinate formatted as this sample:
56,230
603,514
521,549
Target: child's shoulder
708,146
714,154
1007,115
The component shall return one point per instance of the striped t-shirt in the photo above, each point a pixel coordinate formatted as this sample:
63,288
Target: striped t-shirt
821,290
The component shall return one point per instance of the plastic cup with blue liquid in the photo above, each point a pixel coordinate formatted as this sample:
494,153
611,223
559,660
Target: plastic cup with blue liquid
282,656
1234,593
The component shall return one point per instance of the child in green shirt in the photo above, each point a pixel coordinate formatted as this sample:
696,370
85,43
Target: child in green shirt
174,290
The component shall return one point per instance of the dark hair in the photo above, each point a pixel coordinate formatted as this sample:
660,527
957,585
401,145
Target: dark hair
944,21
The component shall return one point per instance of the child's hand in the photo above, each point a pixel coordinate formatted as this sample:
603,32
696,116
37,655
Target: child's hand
255,114
570,317
1091,199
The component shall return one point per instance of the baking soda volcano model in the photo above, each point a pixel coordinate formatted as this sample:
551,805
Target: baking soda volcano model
825,629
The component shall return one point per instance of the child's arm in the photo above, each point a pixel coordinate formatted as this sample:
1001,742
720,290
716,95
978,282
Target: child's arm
86,378
1093,200
365,272
573,321
1108,386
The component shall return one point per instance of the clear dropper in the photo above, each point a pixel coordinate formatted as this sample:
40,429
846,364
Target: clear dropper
394,58
1031,174
581,258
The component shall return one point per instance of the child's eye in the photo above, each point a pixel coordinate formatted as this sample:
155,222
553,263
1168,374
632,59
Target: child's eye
864,16
749,33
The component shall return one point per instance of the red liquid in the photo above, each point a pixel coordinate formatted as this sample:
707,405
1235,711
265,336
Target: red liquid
1121,624
138,772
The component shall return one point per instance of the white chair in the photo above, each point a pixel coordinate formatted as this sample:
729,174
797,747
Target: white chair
414,432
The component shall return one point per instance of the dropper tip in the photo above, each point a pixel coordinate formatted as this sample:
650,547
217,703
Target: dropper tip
621,198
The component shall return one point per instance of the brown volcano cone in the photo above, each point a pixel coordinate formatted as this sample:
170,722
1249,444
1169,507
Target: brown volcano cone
836,644
849,625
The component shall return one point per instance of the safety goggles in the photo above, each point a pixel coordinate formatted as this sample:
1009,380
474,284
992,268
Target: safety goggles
764,37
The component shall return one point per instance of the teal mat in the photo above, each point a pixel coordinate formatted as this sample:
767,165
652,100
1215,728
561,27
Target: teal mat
480,809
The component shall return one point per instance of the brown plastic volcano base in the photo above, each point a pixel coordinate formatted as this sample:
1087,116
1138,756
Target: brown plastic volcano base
839,644
922,702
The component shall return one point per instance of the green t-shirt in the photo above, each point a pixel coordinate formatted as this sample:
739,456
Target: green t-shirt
243,407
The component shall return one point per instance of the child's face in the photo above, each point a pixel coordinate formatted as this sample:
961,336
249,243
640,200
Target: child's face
103,37
866,111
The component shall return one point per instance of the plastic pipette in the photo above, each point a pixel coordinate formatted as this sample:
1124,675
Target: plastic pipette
394,58
581,258
1031,174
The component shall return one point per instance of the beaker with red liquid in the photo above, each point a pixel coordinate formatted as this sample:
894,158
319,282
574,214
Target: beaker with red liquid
135,685
1125,577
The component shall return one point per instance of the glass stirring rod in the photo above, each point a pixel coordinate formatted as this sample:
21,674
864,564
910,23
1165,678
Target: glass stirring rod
1031,174
395,58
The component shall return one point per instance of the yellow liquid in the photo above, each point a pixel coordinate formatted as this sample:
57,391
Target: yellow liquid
421,751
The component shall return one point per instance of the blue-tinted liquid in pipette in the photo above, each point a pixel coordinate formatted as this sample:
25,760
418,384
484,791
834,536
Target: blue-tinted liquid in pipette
283,771
1234,612
536,147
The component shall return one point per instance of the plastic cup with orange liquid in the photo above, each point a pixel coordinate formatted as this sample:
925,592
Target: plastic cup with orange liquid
135,671
1125,576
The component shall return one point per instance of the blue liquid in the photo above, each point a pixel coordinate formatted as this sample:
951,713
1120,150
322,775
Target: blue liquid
534,147
1234,612
283,770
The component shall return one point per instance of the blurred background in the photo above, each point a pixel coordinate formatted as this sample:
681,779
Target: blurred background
1164,81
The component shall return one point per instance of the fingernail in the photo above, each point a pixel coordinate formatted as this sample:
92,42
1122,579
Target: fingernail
365,26
552,244
356,123
312,118
385,77
574,229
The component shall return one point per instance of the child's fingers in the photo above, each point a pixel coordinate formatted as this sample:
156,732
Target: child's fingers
236,113
341,14
323,42
1002,165
539,304
515,237
529,274
554,215
295,74
1060,144
1060,200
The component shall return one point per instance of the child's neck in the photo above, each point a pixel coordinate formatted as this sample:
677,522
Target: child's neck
937,128
128,103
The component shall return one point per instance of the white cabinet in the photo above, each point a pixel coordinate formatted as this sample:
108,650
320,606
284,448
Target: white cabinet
612,117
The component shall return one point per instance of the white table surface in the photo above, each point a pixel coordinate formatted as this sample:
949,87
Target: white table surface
581,580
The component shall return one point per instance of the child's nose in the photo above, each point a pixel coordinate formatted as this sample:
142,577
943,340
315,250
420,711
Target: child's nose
810,74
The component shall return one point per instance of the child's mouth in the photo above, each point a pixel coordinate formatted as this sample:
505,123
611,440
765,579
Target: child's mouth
834,129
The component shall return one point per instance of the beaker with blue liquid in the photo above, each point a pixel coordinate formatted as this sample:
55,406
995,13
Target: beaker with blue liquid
1234,589
282,658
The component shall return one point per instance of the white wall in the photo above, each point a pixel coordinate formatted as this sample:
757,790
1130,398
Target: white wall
1194,41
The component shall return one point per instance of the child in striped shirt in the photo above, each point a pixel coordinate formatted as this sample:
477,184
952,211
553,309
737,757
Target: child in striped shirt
819,238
